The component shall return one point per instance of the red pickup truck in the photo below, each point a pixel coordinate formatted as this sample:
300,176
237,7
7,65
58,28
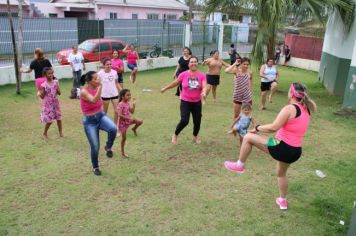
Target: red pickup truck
93,50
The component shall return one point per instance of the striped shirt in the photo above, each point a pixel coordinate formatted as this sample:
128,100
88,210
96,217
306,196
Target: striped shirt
242,91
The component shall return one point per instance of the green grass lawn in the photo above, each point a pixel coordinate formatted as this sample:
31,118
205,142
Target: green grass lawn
49,189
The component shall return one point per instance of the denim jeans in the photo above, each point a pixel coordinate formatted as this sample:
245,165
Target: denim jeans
76,78
92,124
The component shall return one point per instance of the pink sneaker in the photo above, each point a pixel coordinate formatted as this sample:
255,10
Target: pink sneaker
234,167
283,205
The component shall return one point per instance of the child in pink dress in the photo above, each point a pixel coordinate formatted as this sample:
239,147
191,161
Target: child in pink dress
125,119
50,104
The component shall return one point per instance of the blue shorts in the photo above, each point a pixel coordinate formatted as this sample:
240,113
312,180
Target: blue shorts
131,66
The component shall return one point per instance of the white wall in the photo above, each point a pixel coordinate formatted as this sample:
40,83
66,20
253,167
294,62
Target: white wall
7,74
302,63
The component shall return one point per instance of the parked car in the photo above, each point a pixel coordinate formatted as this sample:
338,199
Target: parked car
93,50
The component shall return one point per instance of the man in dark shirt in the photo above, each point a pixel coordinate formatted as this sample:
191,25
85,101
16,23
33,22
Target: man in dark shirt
233,54
38,63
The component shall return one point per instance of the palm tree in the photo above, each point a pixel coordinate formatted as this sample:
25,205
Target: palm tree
271,13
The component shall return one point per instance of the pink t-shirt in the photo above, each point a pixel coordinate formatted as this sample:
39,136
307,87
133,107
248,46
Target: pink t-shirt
116,63
192,86
293,131
108,81
89,108
39,81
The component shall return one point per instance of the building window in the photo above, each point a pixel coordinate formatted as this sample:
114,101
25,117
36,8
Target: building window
113,15
152,16
171,17
134,16
53,15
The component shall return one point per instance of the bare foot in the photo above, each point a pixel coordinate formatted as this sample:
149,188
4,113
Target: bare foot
262,108
196,140
232,132
174,139
61,134
118,134
215,100
124,155
134,131
204,102
270,98
45,137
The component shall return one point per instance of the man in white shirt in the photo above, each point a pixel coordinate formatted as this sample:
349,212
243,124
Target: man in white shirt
76,61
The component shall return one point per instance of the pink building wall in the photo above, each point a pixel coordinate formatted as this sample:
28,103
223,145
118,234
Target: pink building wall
103,12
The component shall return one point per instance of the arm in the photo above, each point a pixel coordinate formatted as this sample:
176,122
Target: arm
251,81
225,64
90,98
23,70
206,61
173,84
118,86
262,73
277,74
283,116
253,121
235,121
205,88
83,64
175,72
133,107
232,69
42,92
125,50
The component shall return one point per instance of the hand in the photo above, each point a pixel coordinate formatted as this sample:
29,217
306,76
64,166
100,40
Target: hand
174,76
203,94
163,90
83,67
133,101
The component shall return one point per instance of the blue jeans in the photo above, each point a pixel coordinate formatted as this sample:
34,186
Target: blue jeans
92,124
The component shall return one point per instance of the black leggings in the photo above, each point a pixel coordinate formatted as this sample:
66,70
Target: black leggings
185,109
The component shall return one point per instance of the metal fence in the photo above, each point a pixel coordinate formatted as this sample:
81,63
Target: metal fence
53,35
242,36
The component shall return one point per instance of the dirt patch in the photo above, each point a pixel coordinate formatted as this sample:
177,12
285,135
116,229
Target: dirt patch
346,113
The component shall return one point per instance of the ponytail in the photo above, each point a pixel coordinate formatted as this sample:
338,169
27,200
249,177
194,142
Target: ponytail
87,77
305,100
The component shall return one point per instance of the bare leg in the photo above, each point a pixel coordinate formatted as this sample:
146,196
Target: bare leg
273,90
237,109
45,135
133,75
214,92
123,140
174,139
121,85
114,103
282,178
60,130
241,140
137,123
106,105
263,100
249,141
208,89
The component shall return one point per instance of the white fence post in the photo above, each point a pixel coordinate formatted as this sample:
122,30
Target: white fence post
221,38
187,35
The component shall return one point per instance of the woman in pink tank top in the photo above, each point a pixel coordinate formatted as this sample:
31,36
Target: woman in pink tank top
94,119
291,125
132,58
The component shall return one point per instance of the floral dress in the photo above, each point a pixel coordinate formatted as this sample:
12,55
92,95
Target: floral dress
124,109
50,104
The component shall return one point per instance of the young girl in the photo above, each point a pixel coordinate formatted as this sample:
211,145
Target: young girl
243,121
50,105
125,119
118,65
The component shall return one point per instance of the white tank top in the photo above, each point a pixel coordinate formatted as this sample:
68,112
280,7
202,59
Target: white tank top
270,72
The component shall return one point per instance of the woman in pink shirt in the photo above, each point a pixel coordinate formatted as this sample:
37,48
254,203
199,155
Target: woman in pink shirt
194,88
118,65
291,125
132,58
94,119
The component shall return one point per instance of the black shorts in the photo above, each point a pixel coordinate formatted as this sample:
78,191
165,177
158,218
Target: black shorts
112,98
120,78
266,86
283,152
213,79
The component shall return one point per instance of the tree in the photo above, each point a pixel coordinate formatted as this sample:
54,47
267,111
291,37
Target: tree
20,44
17,71
271,13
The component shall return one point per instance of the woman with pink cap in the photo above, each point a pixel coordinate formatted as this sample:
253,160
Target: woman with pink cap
291,125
